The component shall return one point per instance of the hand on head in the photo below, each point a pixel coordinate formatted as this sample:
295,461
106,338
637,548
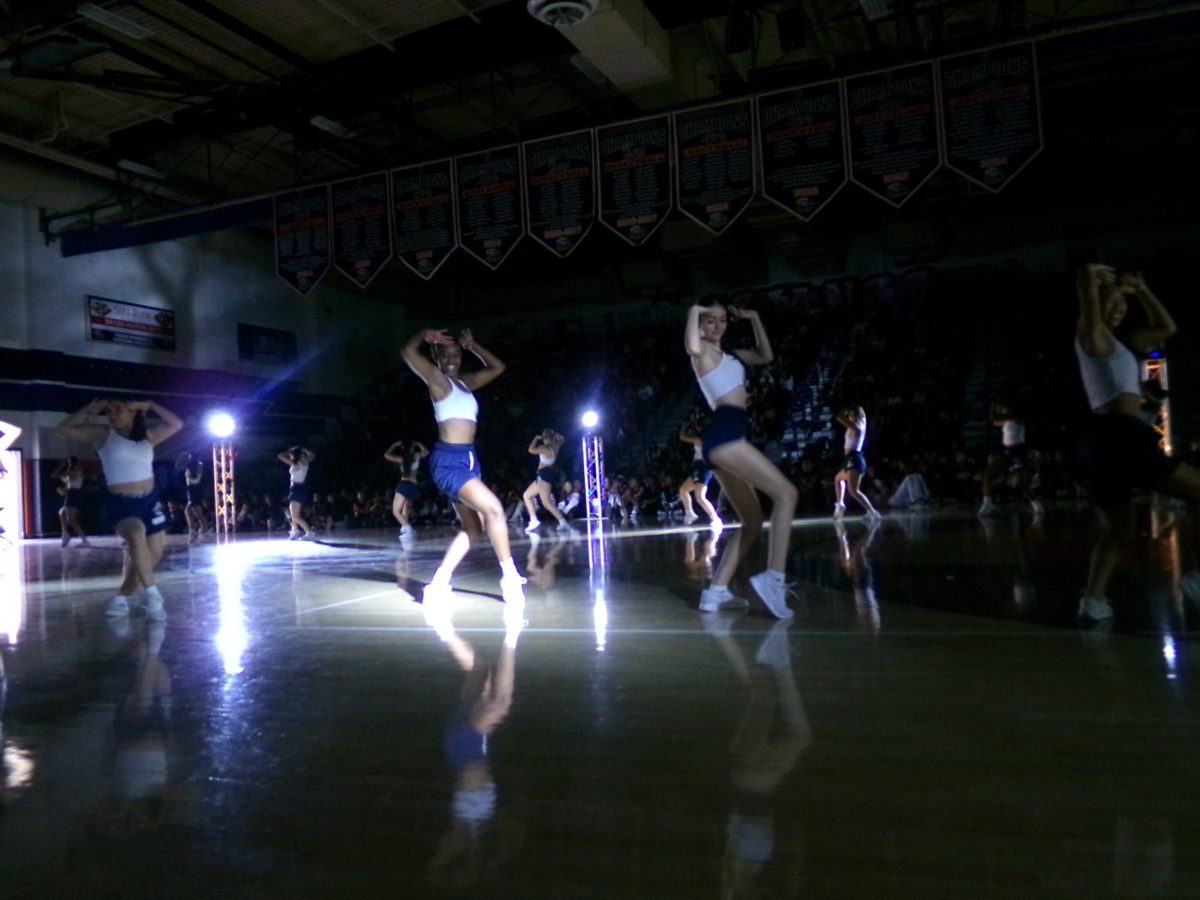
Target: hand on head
438,336
466,340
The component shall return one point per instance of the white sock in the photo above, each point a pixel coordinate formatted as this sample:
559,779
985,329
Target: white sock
776,574
508,568
721,590
441,576
152,595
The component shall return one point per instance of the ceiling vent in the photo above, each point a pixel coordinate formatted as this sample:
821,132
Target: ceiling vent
562,13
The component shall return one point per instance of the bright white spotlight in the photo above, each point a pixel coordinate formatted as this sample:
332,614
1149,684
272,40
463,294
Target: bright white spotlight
220,424
590,419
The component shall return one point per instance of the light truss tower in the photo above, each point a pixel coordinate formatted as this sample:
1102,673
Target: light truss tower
224,500
1155,369
593,475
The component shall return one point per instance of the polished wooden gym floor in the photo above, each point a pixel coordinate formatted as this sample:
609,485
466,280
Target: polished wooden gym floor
932,723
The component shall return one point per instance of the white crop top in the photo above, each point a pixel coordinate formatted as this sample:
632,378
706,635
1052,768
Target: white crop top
458,404
75,483
856,437
196,478
546,459
1106,377
729,375
298,471
126,461
1012,433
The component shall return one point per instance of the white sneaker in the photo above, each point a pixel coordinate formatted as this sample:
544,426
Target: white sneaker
534,525
117,607
716,524
839,510
1095,608
689,518
565,527
511,590
193,537
406,531
307,536
773,593
83,542
986,507
66,539
720,599
154,605
294,534
874,515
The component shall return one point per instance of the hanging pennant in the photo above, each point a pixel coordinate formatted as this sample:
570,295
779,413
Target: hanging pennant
302,237
892,123
992,113
423,216
714,163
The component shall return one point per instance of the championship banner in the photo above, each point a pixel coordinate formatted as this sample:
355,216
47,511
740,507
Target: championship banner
991,113
115,322
560,190
491,217
302,237
635,177
423,216
802,147
892,122
362,237
714,163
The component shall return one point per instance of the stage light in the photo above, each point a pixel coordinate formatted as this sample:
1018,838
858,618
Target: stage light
590,419
220,424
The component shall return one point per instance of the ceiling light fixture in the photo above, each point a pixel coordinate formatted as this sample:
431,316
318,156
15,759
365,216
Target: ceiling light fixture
101,16
137,168
337,129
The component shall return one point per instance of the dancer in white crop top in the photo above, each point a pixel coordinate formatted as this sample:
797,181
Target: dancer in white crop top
741,468
70,473
854,464
126,449
408,457
1120,452
298,459
545,447
454,464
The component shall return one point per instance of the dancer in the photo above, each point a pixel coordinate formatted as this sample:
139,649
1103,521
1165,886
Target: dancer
740,467
453,463
696,484
847,480
299,491
70,473
545,447
1119,451
408,491
1013,465
192,467
126,450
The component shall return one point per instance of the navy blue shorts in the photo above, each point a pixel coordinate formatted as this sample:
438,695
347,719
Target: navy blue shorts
1015,457
701,474
147,508
195,495
409,490
854,462
300,493
552,475
73,499
452,466
1118,455
727,425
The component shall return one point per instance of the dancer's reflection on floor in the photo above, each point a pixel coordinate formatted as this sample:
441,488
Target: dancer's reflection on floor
483,833
541,565
856,566
143,794
772,735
